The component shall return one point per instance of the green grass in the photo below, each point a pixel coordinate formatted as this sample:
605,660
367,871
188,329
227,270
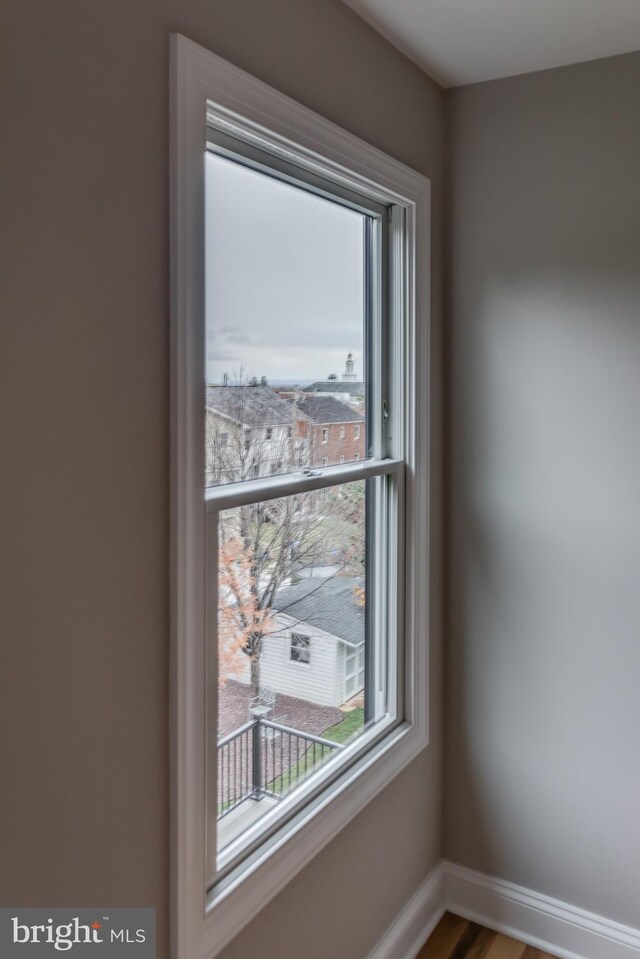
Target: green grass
341,732
347,728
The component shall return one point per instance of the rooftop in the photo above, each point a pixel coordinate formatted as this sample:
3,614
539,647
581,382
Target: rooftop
336,386
252,406
320,408
328,604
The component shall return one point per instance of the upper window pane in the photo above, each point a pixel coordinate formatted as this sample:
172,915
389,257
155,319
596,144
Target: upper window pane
285,326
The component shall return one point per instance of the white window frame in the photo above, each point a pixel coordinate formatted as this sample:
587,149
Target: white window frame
202,924
325,434
305,649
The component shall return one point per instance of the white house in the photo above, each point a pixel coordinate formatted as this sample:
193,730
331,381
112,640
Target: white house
317,654
249,431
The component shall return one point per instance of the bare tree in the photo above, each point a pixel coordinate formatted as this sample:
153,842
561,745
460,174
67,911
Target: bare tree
252,432
267,545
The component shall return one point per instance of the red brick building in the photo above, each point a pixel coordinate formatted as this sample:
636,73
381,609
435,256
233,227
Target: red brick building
334,432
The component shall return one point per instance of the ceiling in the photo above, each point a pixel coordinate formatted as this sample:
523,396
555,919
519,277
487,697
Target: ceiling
466,41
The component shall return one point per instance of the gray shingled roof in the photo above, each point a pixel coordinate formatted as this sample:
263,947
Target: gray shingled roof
327,409
328,604
253,406
336,386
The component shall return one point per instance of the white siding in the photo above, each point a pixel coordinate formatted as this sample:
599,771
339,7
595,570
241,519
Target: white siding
320,681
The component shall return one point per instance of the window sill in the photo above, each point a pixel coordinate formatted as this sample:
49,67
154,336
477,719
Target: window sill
247,890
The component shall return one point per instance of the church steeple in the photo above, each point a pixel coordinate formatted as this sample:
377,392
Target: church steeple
349,368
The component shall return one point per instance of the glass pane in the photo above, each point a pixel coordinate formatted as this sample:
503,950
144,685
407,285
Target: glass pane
285,312
292,641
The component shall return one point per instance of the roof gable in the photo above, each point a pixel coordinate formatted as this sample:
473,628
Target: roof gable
328,604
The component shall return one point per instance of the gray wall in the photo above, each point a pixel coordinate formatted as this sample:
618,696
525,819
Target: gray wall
543,693
85,449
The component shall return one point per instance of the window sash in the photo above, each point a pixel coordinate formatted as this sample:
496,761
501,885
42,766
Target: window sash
246,492
384,667
260,158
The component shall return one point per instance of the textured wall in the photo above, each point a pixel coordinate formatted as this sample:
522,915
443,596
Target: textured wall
84,479
543,703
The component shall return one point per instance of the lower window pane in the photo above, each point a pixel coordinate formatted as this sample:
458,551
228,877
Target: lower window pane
295,646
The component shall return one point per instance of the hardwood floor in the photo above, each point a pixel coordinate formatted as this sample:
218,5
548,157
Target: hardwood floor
455,938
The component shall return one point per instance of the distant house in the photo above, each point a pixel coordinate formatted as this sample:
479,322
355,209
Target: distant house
249,431
334,432
317,653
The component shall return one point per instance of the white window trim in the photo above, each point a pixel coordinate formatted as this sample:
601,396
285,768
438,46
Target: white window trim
299,662
201,927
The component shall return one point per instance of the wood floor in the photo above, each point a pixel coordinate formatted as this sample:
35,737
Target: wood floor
455,938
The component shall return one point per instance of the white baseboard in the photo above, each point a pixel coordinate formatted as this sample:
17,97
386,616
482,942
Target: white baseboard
556,927
409,931
539,920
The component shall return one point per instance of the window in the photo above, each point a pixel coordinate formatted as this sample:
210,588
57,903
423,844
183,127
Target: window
342,457
356,456
224,440
300,648
262,555
356,432
325,434
353,672
325,460
268,433
343,432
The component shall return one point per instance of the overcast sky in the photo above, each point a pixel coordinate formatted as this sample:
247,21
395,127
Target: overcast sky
284,275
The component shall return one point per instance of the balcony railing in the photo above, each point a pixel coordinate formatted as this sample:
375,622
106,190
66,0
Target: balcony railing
264,758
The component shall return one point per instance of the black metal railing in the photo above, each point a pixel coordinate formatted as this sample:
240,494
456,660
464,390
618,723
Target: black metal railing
264,758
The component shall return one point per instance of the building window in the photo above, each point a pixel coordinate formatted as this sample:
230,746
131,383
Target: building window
268,433
259,555
342,457
356,432
356,456
343,432
325,460
223,440
300,648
